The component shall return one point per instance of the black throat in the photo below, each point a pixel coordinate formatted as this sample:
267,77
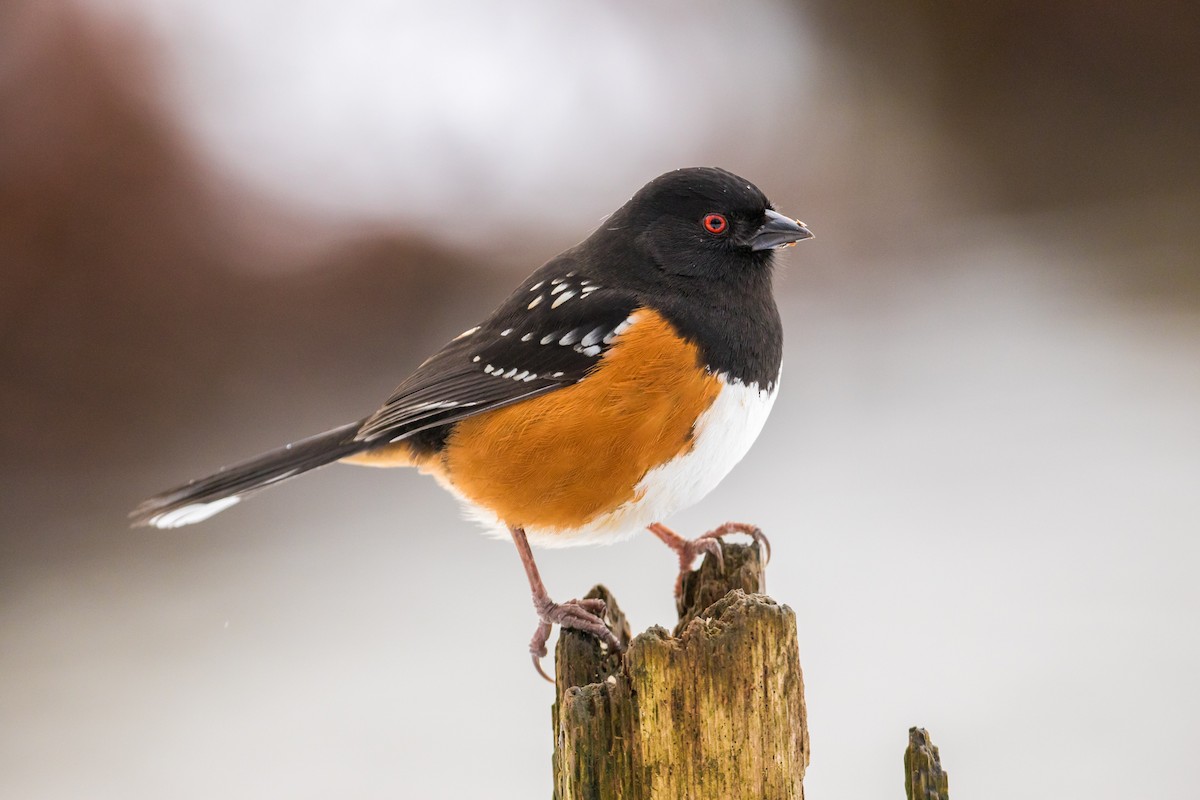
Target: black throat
731,318
736,327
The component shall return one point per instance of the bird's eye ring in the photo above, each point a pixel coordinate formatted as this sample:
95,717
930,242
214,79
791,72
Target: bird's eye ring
715,224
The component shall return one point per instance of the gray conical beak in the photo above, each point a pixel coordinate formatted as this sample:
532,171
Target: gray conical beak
778,231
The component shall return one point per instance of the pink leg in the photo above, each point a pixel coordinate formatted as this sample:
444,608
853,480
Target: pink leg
688,549
583,615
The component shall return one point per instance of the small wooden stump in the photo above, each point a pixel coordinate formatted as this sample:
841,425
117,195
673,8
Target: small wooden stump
713,711
924,778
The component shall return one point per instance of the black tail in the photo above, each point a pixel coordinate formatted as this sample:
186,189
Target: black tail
200,499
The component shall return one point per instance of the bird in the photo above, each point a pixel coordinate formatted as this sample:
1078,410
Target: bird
618,384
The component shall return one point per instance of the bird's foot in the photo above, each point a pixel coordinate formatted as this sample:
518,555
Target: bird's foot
706,544
582,615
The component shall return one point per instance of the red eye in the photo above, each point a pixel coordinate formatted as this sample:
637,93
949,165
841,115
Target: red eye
715,224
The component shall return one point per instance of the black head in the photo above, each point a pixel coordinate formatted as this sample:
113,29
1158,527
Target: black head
704,222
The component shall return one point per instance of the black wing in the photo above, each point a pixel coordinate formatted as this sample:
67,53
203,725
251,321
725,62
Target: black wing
547,335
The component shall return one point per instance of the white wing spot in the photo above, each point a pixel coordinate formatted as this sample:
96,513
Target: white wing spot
506,331
593,337
510,373
558,288
548,338
520,375
527,337
536,300
488,369
466,333
557,375
536,286
531,376
594,350
571,337
475,360
617,331
562,298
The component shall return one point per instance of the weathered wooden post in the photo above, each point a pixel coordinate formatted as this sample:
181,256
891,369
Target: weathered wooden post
714,710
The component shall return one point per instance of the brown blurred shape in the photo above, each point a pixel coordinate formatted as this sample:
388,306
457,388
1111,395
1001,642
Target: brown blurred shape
119,245
1064,103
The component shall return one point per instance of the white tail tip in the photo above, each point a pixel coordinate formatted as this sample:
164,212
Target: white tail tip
194,512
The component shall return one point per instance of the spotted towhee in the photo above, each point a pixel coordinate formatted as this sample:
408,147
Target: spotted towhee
617,385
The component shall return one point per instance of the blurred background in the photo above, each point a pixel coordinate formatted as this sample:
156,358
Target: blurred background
227,225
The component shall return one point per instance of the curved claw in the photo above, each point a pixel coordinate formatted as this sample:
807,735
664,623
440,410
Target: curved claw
709,547
707,544
753,531
537,665
764,543
582,615
537,648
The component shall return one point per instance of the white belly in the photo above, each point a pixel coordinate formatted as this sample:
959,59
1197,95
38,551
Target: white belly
723,435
